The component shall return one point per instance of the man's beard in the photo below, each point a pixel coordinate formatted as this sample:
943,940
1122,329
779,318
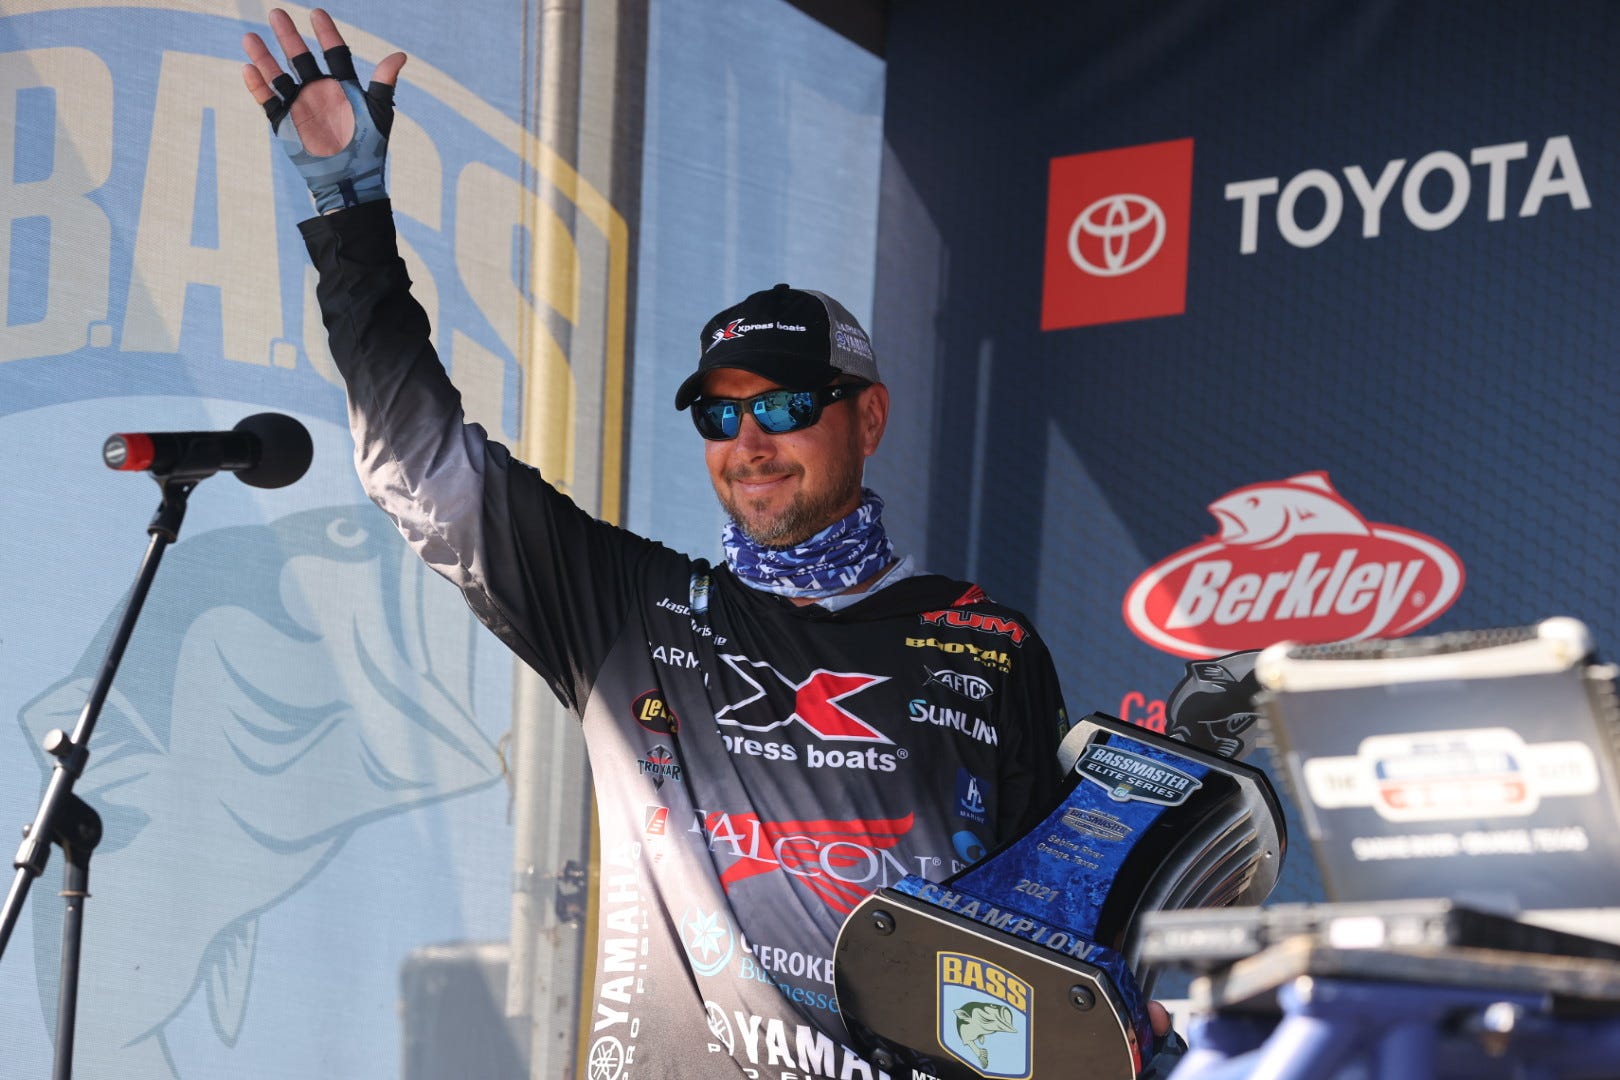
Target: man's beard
802,518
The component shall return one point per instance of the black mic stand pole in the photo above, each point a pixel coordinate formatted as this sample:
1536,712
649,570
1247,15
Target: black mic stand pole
65,819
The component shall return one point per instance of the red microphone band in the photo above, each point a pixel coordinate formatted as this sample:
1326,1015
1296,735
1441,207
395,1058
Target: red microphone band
135,450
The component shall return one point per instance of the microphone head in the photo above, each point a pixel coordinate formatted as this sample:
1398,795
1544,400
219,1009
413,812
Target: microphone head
285,450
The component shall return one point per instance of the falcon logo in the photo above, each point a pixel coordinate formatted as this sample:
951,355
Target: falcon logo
815,702
840,861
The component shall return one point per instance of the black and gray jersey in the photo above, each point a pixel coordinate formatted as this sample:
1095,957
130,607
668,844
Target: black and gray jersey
759,767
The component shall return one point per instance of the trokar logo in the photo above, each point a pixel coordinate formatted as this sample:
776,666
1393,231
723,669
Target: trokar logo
1117,228
1293,561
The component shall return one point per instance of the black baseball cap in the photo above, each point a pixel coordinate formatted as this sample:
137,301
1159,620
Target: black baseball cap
797,338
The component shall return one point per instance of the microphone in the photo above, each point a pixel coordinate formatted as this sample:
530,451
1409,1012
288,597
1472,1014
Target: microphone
266,450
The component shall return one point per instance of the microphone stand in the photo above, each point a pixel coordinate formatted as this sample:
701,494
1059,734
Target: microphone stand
63,818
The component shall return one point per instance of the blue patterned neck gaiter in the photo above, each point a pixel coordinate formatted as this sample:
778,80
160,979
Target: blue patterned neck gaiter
849,551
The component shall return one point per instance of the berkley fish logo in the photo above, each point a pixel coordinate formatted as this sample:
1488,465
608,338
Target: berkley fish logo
1293,561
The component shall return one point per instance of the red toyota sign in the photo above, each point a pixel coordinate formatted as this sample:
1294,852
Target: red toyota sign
1117,223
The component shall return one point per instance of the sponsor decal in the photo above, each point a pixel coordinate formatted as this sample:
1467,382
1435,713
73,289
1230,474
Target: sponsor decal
1097,824
974,595
674,656
655,820
1117,229
970,796
969,848
972,687
984,1015
790,962
774,1050
923,711
851,339
655,832
839,861
653,713
621,964
708,940
1293,561
995,658
606,1060
870,759
1452,775
1118,221
1137,708
816,702
736,328
976,620
1447,177
1131,777
660,764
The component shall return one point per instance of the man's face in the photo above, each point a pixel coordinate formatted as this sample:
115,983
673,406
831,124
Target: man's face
783,489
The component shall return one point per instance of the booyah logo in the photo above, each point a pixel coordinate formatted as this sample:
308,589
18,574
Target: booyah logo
1117,226
1293,561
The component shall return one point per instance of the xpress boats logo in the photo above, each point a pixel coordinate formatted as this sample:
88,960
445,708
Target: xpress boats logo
1293,560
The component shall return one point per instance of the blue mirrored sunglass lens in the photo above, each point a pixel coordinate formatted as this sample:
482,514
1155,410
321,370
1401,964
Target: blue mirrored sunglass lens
717,419
780,411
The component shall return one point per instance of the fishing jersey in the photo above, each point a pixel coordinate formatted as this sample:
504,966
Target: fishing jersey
759,767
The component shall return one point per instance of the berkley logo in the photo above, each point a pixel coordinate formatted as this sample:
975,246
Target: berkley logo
1293,561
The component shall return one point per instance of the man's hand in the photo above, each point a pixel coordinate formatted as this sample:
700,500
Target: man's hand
336,134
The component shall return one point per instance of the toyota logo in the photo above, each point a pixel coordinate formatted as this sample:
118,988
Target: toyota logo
1116,220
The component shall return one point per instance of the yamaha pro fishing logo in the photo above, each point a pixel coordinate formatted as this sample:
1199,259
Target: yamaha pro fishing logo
1293,561
985,1014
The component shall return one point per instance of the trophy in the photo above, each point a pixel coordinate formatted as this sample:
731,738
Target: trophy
1025,963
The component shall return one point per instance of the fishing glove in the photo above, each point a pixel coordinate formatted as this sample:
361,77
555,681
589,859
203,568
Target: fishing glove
354,174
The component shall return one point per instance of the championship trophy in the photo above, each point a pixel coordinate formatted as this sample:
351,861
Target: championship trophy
1024,964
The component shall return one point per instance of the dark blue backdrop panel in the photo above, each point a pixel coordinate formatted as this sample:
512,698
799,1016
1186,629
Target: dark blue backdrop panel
1456,381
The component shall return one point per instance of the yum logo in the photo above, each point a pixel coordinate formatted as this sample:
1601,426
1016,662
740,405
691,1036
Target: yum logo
1293,561
974,620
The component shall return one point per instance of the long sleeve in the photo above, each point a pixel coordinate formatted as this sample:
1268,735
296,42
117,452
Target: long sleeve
551,581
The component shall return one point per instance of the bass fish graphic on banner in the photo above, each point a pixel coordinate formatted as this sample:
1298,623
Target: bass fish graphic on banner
298,686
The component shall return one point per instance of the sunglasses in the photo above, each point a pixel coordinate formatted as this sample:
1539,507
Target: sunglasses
777,412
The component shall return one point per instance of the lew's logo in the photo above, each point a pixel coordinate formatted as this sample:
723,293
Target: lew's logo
1293,561
653,713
